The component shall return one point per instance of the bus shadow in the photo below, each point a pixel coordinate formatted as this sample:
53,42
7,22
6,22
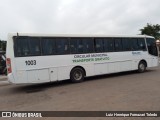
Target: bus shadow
32,88
43,86
112,75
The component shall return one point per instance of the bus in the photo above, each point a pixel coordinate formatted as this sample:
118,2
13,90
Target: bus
40,58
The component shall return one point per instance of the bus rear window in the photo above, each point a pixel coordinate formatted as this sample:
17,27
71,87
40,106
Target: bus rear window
26,46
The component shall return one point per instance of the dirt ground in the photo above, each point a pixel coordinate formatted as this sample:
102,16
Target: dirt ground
128,91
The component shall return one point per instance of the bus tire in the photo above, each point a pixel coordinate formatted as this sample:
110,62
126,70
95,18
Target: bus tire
77,75
142,67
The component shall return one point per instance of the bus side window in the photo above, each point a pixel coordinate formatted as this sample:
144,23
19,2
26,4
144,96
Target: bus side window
19,52
99,45
88,44
80,45
48,46
108,45
134,44
141,44
62,46
126,44
34,46
21,47
73,46
118,44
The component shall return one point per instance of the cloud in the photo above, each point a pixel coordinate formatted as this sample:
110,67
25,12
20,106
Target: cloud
77,16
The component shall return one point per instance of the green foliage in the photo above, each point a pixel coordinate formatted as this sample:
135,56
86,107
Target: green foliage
152,30
3,45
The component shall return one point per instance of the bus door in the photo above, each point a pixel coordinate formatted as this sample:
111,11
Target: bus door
152,51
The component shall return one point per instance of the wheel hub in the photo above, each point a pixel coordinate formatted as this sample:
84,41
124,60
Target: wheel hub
77,75
142,67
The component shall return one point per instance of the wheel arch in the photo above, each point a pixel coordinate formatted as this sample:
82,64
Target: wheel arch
78,67
144,61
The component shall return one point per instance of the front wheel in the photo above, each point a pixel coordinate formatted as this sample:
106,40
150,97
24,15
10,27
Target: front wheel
142,67
77,75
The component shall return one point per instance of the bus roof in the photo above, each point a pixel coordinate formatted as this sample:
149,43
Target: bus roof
76,35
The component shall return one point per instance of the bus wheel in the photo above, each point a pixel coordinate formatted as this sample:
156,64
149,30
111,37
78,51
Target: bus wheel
141,67
77,75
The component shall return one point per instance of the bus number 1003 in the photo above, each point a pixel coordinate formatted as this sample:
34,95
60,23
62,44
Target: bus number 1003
30,62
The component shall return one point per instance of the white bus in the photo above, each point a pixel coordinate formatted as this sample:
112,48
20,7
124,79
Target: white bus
33,58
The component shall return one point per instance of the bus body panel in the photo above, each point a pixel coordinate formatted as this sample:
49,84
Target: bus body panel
48,70
155,61
58,67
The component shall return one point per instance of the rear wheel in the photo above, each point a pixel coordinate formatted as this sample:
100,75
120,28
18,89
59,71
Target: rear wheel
77,75
142,67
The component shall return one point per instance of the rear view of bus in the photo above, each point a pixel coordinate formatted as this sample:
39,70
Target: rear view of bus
46,58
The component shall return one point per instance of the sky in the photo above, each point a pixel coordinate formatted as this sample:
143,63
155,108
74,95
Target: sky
77,16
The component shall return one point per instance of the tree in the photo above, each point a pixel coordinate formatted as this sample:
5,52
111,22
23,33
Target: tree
152,30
